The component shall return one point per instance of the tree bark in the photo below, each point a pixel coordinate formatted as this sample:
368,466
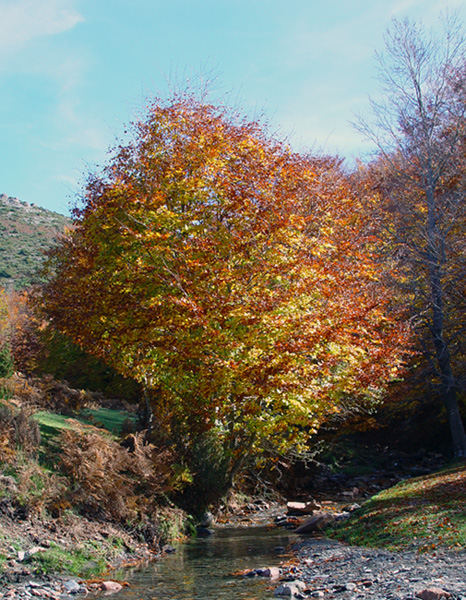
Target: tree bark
448,384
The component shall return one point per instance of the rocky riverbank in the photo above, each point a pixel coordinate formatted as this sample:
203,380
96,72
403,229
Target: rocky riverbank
325,568
319,567
56,588
328,569
36,550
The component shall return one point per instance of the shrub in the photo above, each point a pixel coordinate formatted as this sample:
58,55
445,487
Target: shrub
46,393
27,488
37,489
110,481
209,464
18,431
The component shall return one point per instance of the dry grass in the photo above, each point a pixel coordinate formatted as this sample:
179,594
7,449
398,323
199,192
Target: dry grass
110,481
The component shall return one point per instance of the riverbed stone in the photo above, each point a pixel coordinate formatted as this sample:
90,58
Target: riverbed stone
207,520
317,522
302,508
111,586
352,507
290,589
353,573
203,531
271,572
72,586
433,593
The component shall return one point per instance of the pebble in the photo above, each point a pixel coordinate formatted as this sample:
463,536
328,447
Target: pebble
51,590
330,569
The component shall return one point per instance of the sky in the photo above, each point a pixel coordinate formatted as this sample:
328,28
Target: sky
73,73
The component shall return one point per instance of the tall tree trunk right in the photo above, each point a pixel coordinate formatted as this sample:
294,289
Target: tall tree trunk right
448,386
456,424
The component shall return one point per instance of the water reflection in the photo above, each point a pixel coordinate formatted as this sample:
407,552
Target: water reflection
201,569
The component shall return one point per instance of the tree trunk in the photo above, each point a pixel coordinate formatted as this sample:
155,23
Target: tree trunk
448,385
456,424
146,414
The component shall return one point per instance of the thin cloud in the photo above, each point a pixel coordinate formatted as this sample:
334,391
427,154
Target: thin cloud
24,20
403,6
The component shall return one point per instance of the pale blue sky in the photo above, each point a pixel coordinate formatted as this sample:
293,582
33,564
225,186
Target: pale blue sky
74,72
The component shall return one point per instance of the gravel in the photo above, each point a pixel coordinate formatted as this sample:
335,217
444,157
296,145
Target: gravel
333,570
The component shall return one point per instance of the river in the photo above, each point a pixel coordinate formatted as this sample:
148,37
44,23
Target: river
201,569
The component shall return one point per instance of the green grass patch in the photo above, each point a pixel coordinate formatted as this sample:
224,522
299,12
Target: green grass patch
107,418
424,512
52,424
105,421
86,561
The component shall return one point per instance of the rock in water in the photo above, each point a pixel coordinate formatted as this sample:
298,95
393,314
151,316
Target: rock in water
317,522
203,531
111,586
207,520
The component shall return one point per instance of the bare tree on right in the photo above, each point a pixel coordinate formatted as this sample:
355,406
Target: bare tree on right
419,129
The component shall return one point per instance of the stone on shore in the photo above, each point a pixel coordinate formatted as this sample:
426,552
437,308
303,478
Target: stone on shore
433,593
72,586
290,589
302,508
317,522
24,555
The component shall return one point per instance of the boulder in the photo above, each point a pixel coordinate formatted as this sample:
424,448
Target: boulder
317,522
203,531
302,508
433,593
111,586
24,555
271,572
207,519
352,507
72,586
290,589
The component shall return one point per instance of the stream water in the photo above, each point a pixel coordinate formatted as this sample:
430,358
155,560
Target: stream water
201,569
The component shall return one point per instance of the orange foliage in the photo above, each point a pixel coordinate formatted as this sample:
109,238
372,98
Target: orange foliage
231,275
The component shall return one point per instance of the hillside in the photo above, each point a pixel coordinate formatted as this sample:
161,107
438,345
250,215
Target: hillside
26,232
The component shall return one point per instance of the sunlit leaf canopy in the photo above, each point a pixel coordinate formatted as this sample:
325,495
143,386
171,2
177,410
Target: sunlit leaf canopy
232,276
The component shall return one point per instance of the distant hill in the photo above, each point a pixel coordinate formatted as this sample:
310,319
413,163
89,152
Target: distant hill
26,232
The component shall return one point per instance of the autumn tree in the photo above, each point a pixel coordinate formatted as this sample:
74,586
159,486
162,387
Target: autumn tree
419,130
230,276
